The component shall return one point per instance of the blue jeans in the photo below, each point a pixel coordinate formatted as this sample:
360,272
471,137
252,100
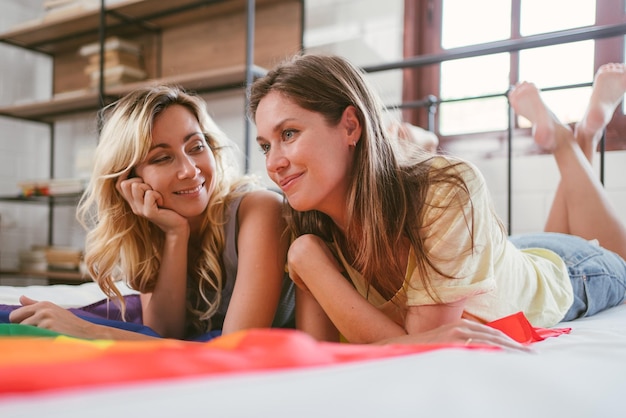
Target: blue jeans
598,275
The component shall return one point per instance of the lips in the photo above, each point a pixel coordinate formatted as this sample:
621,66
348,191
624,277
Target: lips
287,181
194,190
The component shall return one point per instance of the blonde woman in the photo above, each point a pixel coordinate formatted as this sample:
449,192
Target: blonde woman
168,214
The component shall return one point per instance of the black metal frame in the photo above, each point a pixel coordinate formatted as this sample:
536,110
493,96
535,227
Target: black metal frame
143,23
554,38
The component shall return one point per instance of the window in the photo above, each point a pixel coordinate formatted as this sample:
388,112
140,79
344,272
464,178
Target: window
471,91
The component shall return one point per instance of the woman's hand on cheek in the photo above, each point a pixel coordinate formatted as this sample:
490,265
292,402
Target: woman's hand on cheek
146,202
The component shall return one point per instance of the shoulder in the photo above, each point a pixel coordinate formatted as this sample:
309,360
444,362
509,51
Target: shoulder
260,203
446,166
261,197
450,162
452,178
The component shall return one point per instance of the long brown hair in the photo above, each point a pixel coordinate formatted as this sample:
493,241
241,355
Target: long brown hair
388,188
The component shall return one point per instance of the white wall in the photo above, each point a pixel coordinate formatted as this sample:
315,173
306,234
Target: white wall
365,31
24,147
534,181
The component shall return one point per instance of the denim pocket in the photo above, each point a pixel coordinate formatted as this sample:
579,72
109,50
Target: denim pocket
598,281
598,275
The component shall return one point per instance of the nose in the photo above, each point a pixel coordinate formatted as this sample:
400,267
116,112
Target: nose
188,168
275,160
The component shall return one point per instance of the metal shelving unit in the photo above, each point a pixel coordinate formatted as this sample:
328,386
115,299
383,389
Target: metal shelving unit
153,20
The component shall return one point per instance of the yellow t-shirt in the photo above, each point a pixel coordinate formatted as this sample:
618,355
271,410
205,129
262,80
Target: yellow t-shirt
496,278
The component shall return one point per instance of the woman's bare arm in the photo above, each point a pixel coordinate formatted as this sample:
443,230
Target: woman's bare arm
47,315
262,244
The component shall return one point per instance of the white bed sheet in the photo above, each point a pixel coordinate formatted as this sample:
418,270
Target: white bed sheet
582,374
68,296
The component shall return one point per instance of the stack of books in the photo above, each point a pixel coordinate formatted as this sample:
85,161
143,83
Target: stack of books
42,258
122,62
63,258
33,260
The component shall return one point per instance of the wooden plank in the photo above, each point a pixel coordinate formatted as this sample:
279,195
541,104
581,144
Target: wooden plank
216,42
53,35
88,100
61,276
203,55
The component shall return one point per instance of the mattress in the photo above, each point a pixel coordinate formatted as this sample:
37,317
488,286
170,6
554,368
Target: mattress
579,374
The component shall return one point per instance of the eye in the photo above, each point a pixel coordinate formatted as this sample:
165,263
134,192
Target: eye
198,147
289,134
160,159
265,148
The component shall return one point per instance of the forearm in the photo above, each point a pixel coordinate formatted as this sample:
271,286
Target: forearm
102,332
164,308
424,318
355,318
311,318
316,270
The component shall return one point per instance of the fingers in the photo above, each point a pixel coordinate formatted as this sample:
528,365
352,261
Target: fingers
25,301
131,188
142,199
26,311
39,314
483,334
122,179
466,332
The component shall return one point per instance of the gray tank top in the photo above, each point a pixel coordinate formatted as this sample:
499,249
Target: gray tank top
285,312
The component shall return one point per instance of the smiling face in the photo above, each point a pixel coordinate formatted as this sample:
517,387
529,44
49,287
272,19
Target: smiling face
180,164
309,159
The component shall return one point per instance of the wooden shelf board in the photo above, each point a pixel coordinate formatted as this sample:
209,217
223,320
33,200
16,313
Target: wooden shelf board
88,100
85,100
51,35
69,276
67,199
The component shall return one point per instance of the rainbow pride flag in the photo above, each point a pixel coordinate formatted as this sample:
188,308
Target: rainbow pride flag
35,360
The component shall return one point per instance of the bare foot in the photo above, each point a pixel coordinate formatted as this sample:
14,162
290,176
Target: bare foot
609,87
608,91
425,139
527,102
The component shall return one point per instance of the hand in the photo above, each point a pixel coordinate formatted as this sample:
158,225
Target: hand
146,202
52,317
462,332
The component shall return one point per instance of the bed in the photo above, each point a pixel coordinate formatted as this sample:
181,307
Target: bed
577,374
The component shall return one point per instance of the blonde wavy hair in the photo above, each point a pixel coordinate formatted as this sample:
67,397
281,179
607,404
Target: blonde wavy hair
123,246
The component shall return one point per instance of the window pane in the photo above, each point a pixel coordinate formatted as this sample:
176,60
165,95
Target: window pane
568,105
473,116
474,77
541,16
466,22
470,77
558,65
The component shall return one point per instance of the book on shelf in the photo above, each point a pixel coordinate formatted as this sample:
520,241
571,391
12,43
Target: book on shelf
117,75
122,62
112,43
113,58
45,258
